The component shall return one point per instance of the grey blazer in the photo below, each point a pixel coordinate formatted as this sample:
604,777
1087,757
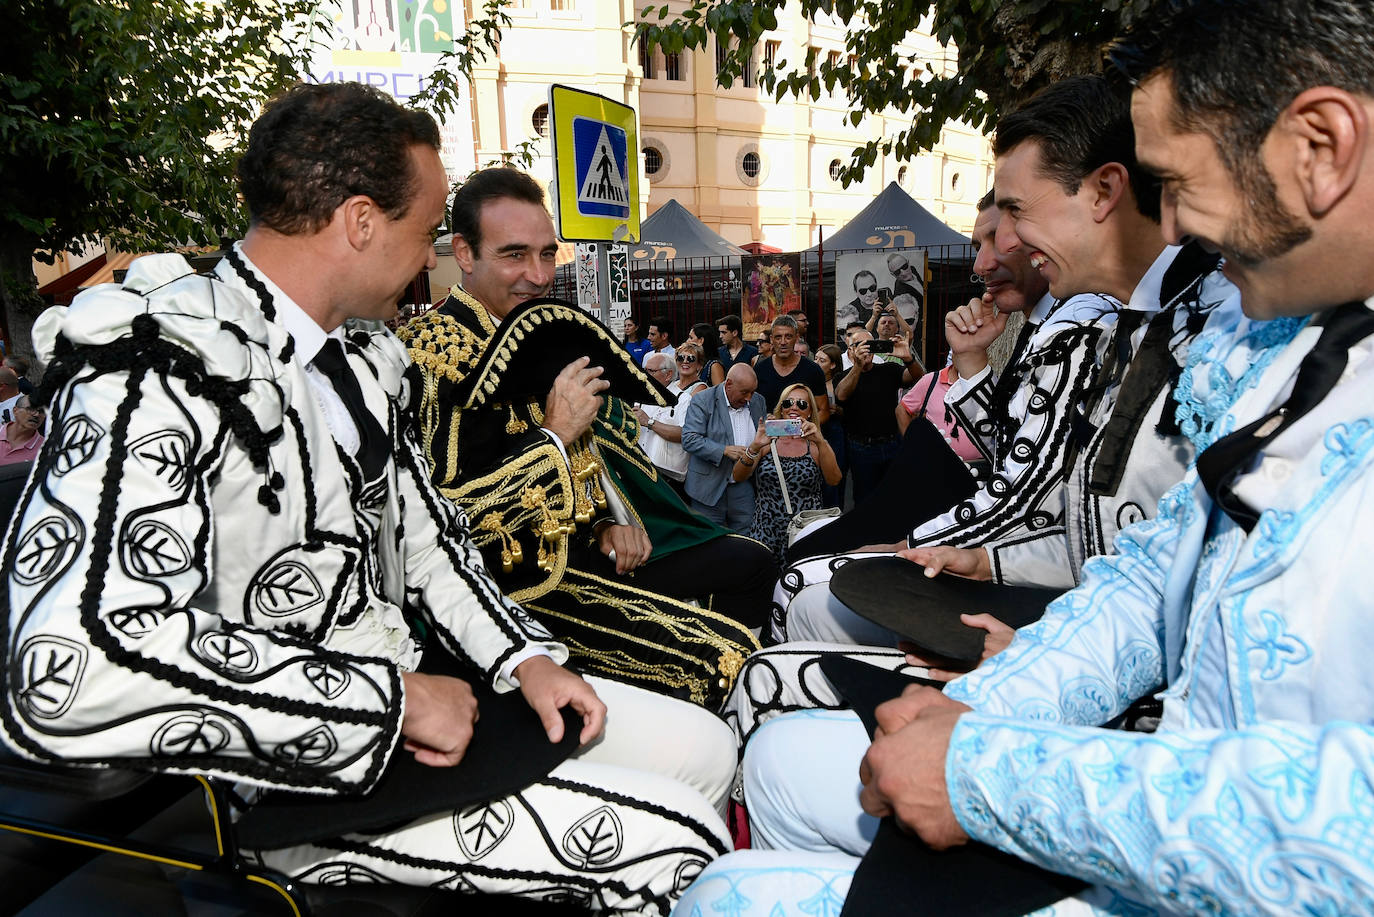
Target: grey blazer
706,431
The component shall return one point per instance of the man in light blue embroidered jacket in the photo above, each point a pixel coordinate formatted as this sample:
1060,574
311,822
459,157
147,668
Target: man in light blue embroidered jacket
1246,593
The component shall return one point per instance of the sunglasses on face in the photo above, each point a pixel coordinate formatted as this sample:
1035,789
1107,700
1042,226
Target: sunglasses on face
902,267
863,291
686,358
801,404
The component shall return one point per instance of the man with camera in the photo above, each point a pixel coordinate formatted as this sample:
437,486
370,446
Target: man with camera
868,392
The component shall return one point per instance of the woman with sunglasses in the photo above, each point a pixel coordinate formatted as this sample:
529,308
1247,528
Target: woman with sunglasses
806,461
708,339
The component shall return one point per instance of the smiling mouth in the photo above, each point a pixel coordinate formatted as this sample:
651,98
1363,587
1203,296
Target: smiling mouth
1038,260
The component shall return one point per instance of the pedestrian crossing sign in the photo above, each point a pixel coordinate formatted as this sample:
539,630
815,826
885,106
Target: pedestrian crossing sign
595,151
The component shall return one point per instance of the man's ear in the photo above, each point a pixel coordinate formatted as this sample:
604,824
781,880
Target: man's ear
1325,131
1108,184
463,253
359,215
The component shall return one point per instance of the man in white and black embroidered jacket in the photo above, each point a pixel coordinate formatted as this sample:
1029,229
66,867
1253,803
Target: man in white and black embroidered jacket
1068,477
217,561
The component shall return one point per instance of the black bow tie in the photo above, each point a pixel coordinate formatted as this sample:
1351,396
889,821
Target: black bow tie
374,448
1220,464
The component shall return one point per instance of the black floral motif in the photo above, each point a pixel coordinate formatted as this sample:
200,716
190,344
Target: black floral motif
338,873
594,839
328,680
166,455
312,747
227,652
152,550
482,827
51,668
50,542
189,734
80,435
134,622
286,588
686,873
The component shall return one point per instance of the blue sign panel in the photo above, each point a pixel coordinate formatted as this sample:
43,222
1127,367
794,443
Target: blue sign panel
601,151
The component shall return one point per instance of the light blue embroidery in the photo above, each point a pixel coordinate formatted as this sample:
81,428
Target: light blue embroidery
1279,647
1109,777
824,903
1346,444
1179,787
732,903
1294,784
1202,404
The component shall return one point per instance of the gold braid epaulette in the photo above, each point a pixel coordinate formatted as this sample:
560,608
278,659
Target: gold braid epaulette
441,345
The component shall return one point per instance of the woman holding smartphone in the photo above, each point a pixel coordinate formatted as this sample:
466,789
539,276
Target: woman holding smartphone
805,459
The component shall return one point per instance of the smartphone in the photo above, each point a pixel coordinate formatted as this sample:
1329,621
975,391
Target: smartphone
785,426
877,346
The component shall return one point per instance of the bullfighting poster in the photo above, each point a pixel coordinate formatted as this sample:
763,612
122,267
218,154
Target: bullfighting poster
772,287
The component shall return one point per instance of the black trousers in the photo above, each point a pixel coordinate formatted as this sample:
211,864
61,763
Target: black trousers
925,479
733,575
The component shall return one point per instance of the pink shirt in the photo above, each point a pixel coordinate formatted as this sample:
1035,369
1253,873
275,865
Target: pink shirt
25,452
936,412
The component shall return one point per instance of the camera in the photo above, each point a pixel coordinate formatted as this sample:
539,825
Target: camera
784,426
876,346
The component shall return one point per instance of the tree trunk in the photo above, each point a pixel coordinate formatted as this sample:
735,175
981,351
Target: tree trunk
18,295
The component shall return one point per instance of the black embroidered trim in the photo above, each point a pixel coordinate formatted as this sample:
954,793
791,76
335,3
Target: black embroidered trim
265,301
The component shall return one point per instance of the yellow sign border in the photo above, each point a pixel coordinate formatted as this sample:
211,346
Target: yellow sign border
565,104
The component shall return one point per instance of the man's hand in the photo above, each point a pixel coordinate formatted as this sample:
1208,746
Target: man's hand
733,453
971,563
643,417
903,772
970,330
914,700
937,667
574,400
860,356
548,687
629,542
440,713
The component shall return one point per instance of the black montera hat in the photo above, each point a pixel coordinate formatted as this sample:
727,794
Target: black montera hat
536,340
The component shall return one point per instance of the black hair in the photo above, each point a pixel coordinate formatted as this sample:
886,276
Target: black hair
488,185
710,340
663,325
987,200
1235,66
1080,123
732,322
318,144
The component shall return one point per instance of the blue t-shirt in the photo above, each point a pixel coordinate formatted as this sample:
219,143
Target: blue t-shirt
638,349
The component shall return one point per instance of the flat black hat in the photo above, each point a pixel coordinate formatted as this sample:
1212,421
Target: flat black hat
899,868
536,340
895,593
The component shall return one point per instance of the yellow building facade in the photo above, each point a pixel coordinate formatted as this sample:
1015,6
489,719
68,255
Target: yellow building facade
752,169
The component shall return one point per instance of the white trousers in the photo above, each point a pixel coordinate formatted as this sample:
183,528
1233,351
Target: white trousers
805,610
624,826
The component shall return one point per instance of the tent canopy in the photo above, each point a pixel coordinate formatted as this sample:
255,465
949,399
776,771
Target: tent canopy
893,220
673,232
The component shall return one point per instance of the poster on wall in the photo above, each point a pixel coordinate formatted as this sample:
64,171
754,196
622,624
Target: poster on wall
865,281
620,287
588,265
395,45
772,287
588,293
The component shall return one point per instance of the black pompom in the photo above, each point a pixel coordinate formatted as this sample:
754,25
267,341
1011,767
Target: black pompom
269,499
